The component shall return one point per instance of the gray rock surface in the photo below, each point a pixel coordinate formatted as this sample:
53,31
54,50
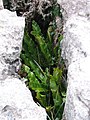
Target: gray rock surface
11,34
76,53
78,7
1,4
38,10
16,102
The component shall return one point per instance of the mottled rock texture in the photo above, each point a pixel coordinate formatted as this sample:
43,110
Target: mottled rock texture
38,10
76,53
1,4
16,101
78,7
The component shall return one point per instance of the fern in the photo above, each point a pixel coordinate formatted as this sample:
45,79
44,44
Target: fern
43,73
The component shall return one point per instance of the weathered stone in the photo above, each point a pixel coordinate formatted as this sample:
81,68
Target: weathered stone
38,10
11,34
78,7
76,53
1,4
16,102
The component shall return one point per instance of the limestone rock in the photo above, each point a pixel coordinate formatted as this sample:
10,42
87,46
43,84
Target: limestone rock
16,102
38,10
76,53
11,35
79,7
76,39
1,4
